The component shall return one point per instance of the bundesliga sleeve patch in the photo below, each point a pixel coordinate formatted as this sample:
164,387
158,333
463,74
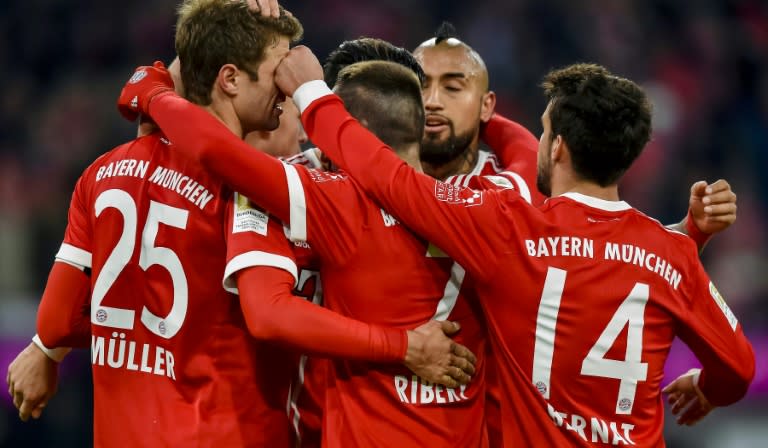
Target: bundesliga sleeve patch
248,218
723,306
457,195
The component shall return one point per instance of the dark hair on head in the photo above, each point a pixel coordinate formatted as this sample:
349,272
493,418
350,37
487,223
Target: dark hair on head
445,31
604,119
368,49
386,98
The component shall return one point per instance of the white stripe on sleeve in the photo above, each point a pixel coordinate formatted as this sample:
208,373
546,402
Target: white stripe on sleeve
74,255
298,208
256,258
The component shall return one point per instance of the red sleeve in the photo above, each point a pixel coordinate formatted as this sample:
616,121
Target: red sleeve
712,332
435,210
273,313
199,134
517,149
63,317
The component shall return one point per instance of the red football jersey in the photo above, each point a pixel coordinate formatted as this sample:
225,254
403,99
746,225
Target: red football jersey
582,297
268,245
173,362
375,270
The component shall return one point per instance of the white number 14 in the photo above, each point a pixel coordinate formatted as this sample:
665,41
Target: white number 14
629,371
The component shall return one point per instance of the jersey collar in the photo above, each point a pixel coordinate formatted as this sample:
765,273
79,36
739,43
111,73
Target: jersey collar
601,204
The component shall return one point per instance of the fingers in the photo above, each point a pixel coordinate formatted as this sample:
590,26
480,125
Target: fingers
25,410
38,411
699,188
449,327
721,210
463,352
447,381
268,8
463,364
720,185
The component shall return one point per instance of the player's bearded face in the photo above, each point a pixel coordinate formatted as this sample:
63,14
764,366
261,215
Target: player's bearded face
438,149
544,160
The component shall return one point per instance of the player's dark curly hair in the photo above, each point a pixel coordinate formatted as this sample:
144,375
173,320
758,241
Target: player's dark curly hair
604,119
368,49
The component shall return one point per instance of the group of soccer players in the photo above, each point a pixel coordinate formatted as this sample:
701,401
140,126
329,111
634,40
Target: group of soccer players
221,249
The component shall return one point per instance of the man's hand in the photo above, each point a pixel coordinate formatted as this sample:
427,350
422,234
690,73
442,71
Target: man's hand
32,380
435,357
299,66
146,83
713,207
266,7
688,403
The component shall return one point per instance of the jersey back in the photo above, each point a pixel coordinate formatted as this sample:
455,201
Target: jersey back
172,358
375,270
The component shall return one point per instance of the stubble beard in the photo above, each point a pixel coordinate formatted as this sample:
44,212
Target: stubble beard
437,152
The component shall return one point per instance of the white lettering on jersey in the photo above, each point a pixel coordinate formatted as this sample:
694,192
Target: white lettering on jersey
420,391
248,218
125,167
600,431
561,246
184,185
631,254
155,360
723,306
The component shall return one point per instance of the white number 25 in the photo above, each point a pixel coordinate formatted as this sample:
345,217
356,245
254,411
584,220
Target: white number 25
150,255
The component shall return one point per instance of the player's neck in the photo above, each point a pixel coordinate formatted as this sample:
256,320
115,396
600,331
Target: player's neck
464,163
226,114
609,193
410,155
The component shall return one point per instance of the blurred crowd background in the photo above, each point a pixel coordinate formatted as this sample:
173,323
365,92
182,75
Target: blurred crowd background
704,63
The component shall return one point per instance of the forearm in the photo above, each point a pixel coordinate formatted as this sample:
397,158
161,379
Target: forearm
273,313
63,319
726,381
245,169
505,137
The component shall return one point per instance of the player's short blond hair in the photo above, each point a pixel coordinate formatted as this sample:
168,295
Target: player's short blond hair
212,33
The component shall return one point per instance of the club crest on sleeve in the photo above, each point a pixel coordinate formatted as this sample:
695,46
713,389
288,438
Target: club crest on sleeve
457,195
325,176
137,76
248,217
723,306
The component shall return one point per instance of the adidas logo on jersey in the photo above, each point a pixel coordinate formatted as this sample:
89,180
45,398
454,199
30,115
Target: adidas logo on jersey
389,220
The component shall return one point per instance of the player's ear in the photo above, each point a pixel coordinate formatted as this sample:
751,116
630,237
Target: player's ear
488,106
560,149
229,78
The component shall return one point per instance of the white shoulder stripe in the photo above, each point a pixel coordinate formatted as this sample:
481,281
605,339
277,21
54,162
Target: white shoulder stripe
522,187
298,208
74,255
256,258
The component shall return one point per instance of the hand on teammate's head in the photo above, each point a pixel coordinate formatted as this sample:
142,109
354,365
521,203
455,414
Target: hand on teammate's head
298,67
267,8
